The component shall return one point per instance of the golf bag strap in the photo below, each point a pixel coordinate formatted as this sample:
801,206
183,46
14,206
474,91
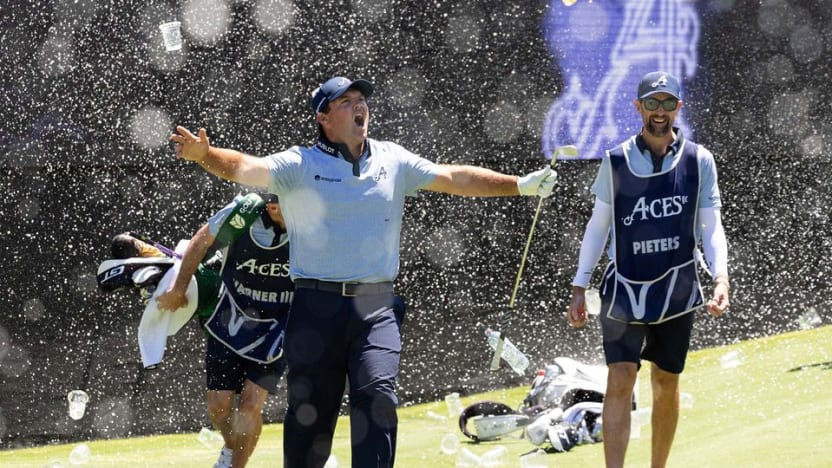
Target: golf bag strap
247,210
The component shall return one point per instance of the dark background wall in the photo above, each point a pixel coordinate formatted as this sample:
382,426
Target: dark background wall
89,96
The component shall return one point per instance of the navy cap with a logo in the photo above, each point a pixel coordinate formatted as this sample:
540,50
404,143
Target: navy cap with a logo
333,88
659,82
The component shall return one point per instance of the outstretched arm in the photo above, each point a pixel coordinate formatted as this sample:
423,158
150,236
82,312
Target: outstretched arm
176,296
225,163
472,181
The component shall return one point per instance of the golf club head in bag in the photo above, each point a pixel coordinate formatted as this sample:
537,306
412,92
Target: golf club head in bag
563,437
538,430
585,418
135,272
491,420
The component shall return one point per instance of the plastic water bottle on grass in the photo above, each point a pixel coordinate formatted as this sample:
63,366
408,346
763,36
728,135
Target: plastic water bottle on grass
809,319
638,419
466,457
80,455
210,439
449,444
513,356
454,405
536,459
498,456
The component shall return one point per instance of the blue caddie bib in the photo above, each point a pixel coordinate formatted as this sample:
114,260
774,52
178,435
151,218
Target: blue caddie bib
254,306
653,276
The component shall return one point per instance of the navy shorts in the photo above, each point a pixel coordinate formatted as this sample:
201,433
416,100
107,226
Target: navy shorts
227,370
665,344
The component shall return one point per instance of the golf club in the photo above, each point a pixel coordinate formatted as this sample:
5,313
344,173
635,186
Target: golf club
165,250
570,151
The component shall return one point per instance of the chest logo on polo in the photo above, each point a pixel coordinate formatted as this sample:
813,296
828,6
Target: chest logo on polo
656,209
319,177
382,174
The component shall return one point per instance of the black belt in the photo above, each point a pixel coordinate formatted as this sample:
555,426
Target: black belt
346,289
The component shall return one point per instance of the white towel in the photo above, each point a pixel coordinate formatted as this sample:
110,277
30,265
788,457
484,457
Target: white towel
156,325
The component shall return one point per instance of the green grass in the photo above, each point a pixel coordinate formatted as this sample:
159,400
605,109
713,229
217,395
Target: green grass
768,412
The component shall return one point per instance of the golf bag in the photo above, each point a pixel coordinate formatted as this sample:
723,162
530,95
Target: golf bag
568,396
563,407
568,382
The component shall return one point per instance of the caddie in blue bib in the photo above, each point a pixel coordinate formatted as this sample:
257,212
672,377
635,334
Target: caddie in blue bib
257,291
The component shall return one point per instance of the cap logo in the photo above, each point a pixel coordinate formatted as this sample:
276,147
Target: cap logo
662,81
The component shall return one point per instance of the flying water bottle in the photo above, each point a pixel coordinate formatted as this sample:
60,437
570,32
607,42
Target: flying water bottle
513,356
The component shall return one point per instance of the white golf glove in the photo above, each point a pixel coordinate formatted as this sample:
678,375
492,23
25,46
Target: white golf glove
540,183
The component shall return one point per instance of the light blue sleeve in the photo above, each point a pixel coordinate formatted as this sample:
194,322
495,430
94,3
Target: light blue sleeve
418,171
285,169
216,221
708,186
602,187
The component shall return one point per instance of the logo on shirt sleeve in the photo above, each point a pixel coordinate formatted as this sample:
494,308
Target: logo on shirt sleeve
237,222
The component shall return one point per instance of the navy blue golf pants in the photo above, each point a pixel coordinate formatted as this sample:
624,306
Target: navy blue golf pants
330,341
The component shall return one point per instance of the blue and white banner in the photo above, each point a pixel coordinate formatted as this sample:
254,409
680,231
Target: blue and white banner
603,48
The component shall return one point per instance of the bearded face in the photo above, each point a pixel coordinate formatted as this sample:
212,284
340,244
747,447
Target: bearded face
658,112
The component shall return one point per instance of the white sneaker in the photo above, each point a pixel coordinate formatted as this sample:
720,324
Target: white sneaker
224,461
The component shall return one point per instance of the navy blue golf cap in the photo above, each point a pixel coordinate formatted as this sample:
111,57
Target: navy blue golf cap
659,82
333,88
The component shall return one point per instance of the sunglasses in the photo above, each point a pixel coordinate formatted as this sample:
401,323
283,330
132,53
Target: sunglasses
651,104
